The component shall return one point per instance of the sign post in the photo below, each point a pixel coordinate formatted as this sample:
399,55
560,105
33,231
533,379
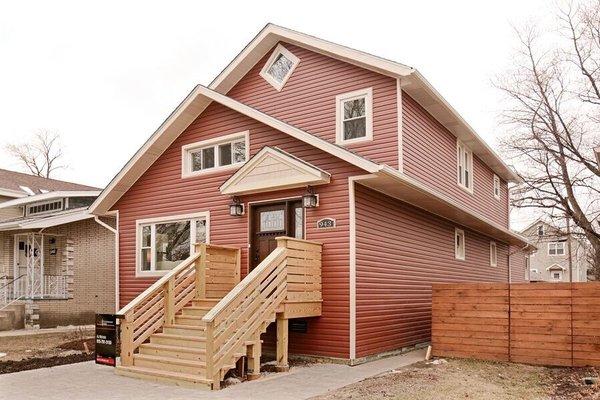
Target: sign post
106,339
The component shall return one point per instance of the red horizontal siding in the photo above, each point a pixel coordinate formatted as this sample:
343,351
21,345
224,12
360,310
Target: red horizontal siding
401,250
307,100
429,154
161,191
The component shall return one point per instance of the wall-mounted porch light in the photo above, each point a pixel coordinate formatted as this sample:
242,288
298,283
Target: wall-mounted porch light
310,199
236,208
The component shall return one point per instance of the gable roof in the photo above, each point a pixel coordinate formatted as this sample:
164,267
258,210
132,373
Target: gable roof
193,105
13,184
277,170
411,80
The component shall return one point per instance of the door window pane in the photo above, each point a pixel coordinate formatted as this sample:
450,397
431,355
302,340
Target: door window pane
200,231
172,244
271,221
298,223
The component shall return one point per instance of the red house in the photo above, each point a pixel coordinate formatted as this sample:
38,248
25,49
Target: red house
309,181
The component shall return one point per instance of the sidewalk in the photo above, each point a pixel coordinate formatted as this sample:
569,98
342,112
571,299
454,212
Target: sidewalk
60,329
90,381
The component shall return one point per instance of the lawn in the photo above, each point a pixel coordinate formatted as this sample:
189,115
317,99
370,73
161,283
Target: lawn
454,379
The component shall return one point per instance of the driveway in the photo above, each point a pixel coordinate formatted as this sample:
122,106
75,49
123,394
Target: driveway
90,381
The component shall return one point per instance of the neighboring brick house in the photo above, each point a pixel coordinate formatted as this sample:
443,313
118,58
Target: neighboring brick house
550,263
54,255
308,139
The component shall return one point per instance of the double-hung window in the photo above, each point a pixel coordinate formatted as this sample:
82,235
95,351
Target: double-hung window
459,244
164,243
556,248
464,163
279,67
215,154
354,116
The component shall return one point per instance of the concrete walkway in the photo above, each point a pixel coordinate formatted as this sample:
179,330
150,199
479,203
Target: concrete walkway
90,381
60,329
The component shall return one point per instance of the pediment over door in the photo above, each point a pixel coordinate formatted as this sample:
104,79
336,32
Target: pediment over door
273,169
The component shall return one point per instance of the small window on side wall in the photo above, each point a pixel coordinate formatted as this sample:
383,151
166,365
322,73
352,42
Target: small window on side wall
464,165
493,254
354,116
279,67
459,244
496,187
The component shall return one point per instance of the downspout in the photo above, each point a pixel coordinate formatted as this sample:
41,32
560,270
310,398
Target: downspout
104,224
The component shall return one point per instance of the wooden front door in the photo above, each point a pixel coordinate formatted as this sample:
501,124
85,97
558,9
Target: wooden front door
271,221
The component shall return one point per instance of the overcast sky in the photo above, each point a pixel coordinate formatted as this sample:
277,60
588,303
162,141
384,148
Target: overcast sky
106,76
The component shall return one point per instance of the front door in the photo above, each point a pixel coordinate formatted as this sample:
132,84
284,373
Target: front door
271,221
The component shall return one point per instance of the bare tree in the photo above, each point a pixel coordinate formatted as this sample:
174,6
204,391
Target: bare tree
553,112
41,155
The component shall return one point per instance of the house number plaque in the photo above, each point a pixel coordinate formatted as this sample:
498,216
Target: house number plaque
326,223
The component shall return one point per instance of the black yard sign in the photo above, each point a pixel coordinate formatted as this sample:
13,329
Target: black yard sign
106,339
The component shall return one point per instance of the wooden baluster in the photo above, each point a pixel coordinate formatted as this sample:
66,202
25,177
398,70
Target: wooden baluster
209,354
127,340
169,299
238,266
201,271
282,344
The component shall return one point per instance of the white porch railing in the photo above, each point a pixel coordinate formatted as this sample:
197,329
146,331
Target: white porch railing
21,288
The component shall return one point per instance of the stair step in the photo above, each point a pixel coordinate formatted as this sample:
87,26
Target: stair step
186,330
205,302
189,320
198,311
193,367
185,353
187,380
178,340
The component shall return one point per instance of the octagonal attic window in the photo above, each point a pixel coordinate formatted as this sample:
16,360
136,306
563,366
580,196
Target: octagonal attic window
279,67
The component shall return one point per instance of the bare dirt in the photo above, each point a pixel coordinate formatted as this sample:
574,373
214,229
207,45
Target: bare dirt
469,379
45,350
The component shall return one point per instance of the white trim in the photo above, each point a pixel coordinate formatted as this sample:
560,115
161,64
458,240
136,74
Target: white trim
462,148
367,94
49,196
287,54
457,255
400,124
188,149
162,219
553,266
493,254
46,222
497,184
312,175
12,193
352,228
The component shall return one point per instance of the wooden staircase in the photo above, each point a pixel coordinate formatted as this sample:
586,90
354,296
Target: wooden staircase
193,325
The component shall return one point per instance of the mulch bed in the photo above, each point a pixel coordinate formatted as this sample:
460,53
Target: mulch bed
568,383
87,354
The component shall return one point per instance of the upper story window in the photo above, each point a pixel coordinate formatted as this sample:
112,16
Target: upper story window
556,248
496,187
493,254
215,154
459,244
464,163
354,116
41,208
279,67
163,243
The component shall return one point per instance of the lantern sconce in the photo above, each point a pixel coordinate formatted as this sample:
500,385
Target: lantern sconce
310,199
236,208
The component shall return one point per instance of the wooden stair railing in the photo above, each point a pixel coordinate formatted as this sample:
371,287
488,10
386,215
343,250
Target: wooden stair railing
210,272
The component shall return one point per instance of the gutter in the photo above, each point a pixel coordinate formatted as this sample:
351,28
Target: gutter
104,224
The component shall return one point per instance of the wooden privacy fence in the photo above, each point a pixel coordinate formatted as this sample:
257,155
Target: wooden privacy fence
532,323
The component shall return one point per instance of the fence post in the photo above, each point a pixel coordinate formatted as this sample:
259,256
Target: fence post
127,340
210,374
201,271
169,298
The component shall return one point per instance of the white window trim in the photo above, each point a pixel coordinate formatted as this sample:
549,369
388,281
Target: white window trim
497,185
563,248
493,254
457,254
170,218
39,203
286,53
188,149
367,93
460,184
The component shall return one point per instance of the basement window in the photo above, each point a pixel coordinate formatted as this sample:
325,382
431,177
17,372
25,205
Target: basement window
493,254
354,116
459,244
279,67
164,243
221,153
464,164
